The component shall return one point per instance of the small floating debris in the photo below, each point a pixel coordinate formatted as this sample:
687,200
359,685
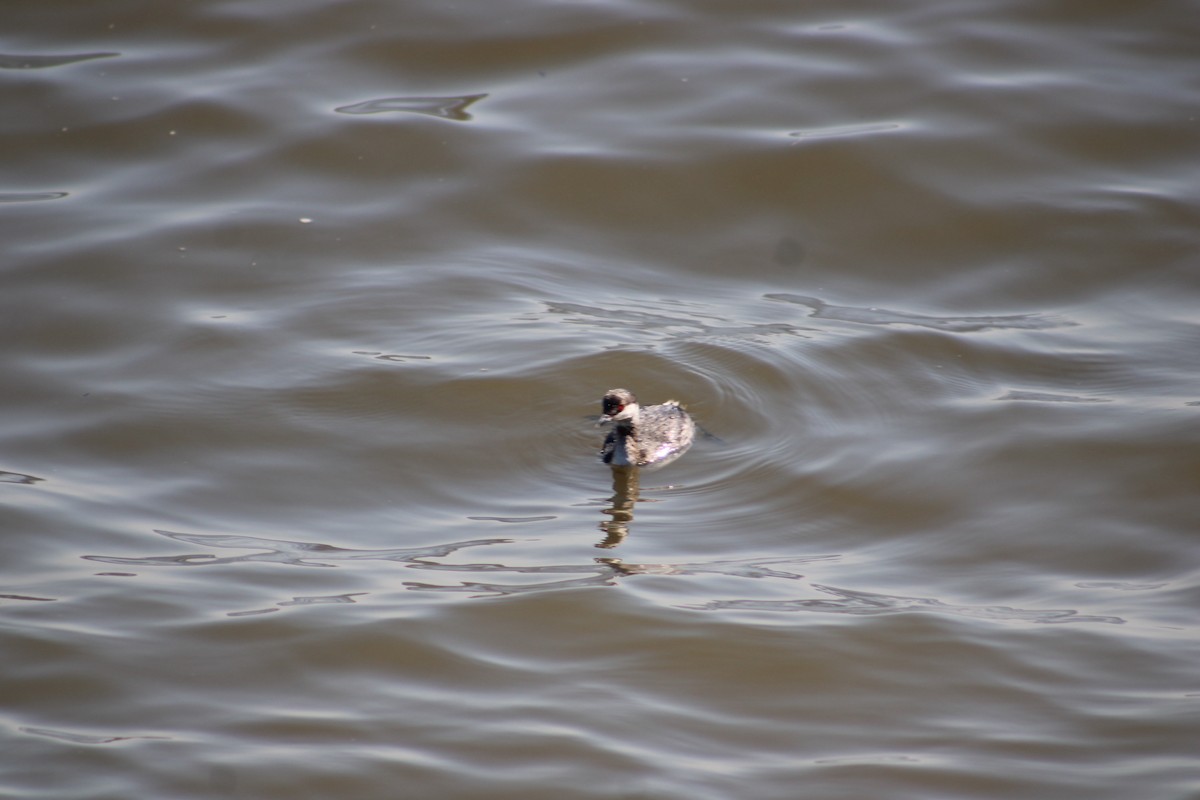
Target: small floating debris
453,108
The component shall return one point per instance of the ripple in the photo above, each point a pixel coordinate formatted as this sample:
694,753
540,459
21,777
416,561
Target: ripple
867,760
882,316
848,130
1121,586
605,572
279,551
315,600
12,61
19,477
452,108
85,738
856,603
707,321
1049,397
394,357
30,197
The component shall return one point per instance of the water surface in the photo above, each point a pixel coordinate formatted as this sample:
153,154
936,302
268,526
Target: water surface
308,312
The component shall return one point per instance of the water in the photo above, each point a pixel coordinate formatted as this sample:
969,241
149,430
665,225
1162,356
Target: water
309,310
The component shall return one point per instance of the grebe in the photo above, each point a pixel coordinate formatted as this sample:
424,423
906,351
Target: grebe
653,436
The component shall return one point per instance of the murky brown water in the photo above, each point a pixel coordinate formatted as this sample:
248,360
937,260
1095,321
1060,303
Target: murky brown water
308,308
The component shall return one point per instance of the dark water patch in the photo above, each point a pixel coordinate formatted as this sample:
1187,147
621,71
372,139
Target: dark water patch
789,252
452,108
514,519
26,597
12,61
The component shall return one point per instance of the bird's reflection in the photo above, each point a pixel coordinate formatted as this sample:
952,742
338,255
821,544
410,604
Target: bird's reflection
625,495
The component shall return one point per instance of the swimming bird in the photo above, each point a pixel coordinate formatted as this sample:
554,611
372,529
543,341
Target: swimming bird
653,436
